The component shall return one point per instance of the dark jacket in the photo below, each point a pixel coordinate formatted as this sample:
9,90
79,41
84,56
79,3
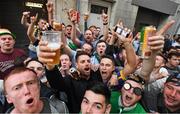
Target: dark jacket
50,106
74,89
114,52
46,91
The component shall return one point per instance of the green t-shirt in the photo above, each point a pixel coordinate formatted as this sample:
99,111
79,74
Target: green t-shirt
115,108
71,44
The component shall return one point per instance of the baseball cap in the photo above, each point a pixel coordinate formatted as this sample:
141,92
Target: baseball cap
175,78
7,32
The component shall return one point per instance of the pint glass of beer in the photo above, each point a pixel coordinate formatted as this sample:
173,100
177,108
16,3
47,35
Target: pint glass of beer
53,39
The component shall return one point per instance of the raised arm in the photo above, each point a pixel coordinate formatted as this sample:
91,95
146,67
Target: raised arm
74,38
130,66
105,26
24,20
65,47
86,16
52,73
50,9
156,44
30,30
78,32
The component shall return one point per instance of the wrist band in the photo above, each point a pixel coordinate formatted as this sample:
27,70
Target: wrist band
105,23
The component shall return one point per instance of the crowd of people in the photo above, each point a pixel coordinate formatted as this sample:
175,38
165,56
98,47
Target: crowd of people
100,71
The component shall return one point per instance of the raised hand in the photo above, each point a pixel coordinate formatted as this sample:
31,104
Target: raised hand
124,39
73,16
70,13
120,23
34,18
57,26
86,16
157,42
26,14
104,18
49,7
45,54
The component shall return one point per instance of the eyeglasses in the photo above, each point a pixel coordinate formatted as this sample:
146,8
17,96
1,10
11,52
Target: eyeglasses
37,68
136,90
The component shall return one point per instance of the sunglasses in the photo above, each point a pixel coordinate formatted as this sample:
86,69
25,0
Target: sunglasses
136,90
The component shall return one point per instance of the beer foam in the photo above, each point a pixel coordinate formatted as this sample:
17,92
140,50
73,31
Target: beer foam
53,45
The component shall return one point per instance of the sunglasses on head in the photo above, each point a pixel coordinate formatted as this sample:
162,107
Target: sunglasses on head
136,90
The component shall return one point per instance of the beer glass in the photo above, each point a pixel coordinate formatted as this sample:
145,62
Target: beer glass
53,39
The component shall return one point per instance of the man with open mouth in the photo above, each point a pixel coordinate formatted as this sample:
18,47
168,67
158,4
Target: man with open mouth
127,101
22,89
73,87
100,51
9,55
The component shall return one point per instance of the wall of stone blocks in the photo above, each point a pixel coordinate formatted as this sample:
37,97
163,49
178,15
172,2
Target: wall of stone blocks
123,9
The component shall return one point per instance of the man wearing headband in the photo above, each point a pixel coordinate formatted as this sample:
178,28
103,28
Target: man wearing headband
127,101
169,100
8,54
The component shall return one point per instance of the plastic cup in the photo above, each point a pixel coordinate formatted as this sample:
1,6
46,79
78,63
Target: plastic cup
53,39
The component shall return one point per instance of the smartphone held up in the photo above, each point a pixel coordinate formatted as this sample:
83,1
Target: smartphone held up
122,31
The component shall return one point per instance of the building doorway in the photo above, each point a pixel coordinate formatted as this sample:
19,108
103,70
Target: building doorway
146,17
96,8
10,18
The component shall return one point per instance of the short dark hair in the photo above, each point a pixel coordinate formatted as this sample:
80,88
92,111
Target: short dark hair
92,26
98,27
88,30
173,54
163,56
109,57
177,47
100,88
79,53
90,45
101,41
67,55
172,47
33,59
68,26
